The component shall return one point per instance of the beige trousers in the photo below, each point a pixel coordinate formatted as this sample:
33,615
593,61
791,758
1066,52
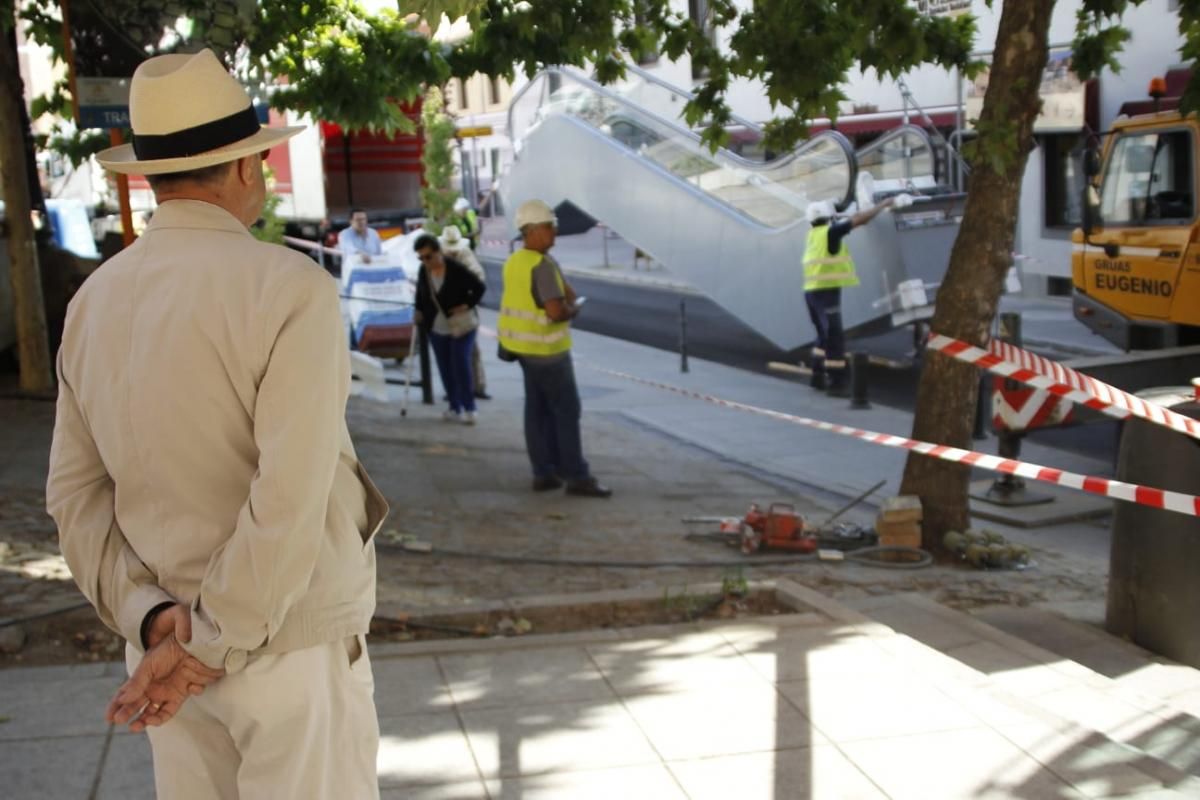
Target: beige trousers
295,725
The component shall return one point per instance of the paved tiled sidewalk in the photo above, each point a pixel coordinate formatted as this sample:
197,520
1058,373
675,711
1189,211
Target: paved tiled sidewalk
823,704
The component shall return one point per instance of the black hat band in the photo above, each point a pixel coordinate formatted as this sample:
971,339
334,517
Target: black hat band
197,140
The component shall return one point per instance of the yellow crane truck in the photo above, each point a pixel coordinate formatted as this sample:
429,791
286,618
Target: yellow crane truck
1136,261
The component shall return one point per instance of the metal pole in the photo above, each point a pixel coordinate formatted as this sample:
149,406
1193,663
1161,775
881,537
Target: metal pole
426,376
604,237
981,408
859,364
683,347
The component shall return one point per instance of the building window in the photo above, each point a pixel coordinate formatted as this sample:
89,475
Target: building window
1148,180
1063,175
495,163
494,91
464,101
701,14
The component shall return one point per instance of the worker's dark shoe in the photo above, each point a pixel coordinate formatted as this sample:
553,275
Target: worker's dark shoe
547,484
482,395
589,487
817,381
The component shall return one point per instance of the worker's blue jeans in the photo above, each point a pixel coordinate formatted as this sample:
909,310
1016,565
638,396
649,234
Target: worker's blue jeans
825,310
454,364
552,412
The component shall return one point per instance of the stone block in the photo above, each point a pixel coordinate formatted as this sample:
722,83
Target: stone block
902,508
898,534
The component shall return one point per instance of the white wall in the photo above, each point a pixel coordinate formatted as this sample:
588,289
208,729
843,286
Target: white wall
307,199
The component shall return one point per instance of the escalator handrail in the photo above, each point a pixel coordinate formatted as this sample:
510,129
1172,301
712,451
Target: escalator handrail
742,163
896,133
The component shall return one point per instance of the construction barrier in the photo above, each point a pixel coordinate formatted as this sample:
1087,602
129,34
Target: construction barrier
1117,490
1021,365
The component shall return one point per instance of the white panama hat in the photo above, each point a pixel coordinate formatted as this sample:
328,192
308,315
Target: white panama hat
188,112
451,235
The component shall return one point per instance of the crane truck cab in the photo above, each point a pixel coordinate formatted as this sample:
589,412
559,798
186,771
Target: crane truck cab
1135,262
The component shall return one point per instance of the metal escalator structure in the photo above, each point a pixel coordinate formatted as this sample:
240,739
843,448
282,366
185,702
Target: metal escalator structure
730,225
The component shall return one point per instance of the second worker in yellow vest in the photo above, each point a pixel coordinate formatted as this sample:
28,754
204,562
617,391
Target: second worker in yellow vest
535,328
828,268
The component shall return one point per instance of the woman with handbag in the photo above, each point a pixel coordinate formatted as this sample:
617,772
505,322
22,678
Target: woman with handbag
447,293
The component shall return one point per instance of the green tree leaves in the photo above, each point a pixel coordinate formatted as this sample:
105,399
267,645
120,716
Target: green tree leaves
437,157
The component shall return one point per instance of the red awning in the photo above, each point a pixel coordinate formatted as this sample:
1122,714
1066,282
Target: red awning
856,124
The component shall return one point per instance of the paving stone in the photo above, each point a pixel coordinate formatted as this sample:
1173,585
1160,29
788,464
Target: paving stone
473,790
803,654
50,769
524,677
511,742
739,719
845,709
692,661
61,708
652,782
815,773
975,763
128,772
417,749
408,686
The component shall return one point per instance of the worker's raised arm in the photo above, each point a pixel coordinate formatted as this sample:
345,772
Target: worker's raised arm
863,217
299,414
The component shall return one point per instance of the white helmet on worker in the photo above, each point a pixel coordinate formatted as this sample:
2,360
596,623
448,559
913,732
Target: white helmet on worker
461,204
821,209
535,212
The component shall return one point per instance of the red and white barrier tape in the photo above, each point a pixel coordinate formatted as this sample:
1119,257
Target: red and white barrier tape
1117,490
315,247
1010,361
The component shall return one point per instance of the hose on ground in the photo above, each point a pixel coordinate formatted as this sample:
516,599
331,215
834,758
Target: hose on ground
916,559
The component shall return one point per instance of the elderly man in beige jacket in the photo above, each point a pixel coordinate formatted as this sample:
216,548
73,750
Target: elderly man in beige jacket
207,494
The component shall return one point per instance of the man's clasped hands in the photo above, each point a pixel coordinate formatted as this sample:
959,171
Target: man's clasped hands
167,676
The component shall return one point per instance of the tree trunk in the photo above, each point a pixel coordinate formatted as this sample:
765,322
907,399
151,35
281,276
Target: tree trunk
33,350
982,255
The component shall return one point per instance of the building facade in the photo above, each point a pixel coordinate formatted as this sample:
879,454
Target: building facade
1052,183
478,104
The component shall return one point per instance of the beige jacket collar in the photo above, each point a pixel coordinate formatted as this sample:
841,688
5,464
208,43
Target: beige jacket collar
194,215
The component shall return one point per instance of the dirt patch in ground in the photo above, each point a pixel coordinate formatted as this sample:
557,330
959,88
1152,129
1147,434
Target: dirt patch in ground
572,618
78,637
75,637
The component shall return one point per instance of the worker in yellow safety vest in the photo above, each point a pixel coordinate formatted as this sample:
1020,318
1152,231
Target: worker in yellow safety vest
466,220
535,330
828,268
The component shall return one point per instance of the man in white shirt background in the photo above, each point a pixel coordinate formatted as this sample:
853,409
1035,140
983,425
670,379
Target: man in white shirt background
360,240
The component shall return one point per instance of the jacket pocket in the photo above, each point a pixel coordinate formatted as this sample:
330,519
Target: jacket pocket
376,506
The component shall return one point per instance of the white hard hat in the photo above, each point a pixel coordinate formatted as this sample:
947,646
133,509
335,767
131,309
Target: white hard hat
821,209
535,212
461,204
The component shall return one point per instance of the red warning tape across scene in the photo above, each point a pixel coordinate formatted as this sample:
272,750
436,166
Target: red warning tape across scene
1117,490
1010,361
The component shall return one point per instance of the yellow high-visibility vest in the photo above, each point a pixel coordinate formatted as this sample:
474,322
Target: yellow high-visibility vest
823,271
523,327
